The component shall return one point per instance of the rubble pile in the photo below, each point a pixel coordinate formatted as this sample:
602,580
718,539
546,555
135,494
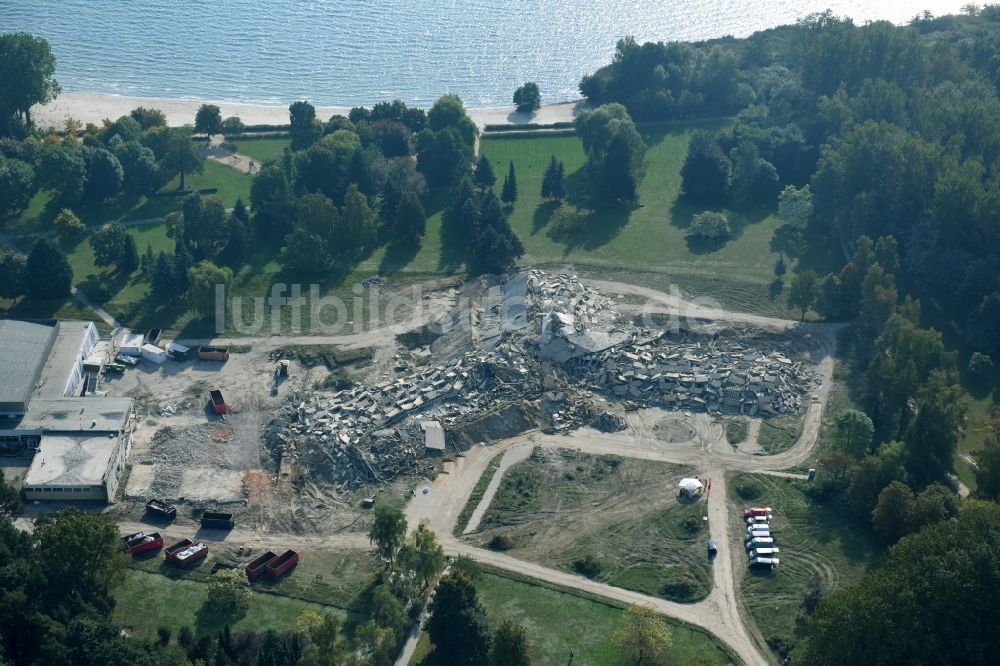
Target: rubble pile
537,338
698,374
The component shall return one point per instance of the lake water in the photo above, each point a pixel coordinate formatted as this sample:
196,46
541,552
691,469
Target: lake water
347,52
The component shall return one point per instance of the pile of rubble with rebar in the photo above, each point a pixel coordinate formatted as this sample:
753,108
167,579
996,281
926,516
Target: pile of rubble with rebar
540,339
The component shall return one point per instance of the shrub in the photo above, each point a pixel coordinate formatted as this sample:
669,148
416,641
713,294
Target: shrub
691,524
587,566
980,365
679,590
710,226
748,489
501,542
68,224
566,222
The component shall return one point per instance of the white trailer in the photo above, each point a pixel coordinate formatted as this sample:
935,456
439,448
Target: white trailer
154,354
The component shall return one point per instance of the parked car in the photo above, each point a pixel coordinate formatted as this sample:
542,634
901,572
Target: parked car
713,548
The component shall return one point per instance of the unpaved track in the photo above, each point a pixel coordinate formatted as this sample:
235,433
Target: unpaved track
720,613
447,494
510,457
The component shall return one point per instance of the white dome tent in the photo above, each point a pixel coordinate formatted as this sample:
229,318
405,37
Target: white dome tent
690,488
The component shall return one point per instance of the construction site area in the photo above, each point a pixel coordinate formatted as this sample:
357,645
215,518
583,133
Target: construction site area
542,414
312,430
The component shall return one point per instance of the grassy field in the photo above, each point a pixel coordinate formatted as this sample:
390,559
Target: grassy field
331,578
779,433
818,543
613,519
262,150
477,494
554,619
148,601
649,238
231,184
561,622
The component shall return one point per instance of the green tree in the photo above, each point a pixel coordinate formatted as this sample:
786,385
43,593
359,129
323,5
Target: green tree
104,174
237,244
162,281
229,592
449,112
411,220
483,175
795,206
10,498
108,243
305,129
61,168
141,173
27,74
128,262
208,119
387,612
17,186
553,181
932,435
511,646
615,153
81,554
422,555
67,224
315,214
233,127
953,569
388,531
933,504
710,225
203,279
149,118
706,172
357,229
306,253
457,623
893,511
181,156
527,98
13,266
509,191
47,273
271,201
642,637
327,645
803,290
853,432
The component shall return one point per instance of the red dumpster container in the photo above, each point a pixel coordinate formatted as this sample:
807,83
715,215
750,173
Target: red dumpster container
191,554
258,566
140,542
282,563
213,353
218,403
172,551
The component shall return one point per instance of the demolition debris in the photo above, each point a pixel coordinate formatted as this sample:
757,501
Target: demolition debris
548,350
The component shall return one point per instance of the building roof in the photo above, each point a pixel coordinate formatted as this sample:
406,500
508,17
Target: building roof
77,415
24,348
78,460
67,348
433,435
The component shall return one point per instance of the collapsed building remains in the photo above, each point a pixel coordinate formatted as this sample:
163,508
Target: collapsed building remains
542,350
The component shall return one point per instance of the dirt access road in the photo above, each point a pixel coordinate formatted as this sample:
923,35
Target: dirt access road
708,450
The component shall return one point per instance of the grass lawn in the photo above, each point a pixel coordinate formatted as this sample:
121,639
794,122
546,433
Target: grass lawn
340,579
559,622
38,217
262,150
651,238
818,541
779,433
147,601
613,519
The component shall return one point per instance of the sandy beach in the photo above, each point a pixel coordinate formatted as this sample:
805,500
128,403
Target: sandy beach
95,107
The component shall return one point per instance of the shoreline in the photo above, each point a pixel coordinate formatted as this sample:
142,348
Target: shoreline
95,107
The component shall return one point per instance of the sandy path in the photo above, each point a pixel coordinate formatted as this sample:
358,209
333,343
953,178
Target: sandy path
512,456
95,107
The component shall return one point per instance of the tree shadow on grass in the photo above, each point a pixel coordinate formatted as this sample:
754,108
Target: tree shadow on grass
397,255
209,620
776,289
601,227
542,215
